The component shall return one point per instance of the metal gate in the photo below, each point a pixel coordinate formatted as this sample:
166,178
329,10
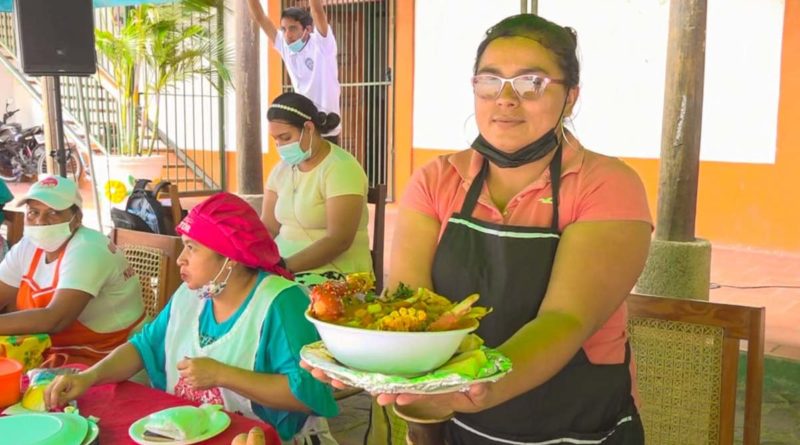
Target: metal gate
365,36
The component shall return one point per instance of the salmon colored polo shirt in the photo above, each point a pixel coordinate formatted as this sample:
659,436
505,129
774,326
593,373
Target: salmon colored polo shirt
594,187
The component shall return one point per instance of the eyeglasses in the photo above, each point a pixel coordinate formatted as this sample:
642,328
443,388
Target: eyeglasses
526,86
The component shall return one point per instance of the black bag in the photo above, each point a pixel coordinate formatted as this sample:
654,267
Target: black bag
143,212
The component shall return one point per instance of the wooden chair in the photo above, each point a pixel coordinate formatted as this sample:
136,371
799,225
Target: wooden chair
687,357
154,258
15,225
377,196
151,266
175,209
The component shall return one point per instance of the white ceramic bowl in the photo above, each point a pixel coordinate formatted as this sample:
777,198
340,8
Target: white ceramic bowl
389,352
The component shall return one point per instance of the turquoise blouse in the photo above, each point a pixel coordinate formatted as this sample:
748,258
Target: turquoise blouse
284,332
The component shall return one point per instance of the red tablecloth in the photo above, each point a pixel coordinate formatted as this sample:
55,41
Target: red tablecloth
118,405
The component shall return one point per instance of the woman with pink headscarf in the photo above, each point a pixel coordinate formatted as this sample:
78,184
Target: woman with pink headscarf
199,347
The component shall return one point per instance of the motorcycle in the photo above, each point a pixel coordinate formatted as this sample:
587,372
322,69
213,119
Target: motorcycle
23,153
8,128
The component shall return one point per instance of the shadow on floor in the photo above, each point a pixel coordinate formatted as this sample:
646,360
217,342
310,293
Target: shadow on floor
780,412
350,425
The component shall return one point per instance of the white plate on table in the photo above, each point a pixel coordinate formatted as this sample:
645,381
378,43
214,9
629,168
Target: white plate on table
218,422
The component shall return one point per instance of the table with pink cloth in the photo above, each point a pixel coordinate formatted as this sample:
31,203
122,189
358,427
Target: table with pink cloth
118,405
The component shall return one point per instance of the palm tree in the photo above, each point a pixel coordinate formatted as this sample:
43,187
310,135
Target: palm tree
182,45
165,45
123,52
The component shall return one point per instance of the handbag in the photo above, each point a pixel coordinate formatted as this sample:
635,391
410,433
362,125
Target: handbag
29,350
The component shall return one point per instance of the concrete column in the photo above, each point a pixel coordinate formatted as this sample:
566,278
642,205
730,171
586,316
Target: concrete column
248,102
49,112
679,265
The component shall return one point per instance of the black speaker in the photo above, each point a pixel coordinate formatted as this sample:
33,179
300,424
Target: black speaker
55,37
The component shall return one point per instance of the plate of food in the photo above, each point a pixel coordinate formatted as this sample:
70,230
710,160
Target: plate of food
404,334
180,425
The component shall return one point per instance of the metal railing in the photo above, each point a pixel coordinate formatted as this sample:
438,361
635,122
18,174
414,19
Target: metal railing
8,46
8,37
365,37
191,128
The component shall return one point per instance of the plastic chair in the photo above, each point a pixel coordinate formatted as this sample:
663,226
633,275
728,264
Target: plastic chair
687,358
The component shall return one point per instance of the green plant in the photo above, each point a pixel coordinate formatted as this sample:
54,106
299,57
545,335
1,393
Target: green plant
156,48
123,52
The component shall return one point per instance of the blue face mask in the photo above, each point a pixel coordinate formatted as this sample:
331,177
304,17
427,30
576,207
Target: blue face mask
292,153
297,45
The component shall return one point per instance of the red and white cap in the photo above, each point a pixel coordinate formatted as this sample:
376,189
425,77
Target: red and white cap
55,192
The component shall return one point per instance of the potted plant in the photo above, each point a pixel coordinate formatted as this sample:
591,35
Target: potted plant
156,48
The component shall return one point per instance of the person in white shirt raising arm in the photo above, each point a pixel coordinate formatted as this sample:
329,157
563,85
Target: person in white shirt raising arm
308,48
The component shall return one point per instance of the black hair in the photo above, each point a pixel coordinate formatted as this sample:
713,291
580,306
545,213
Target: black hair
325,122
562,41
248,269
298,14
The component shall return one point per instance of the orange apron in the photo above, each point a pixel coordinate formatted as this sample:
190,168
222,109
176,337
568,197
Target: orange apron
79,343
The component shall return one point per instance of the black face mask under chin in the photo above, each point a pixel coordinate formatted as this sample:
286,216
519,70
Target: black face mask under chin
532,152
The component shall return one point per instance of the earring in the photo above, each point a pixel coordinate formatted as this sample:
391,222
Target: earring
467,132
563,133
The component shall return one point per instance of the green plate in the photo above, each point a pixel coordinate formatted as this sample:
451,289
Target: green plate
92,434
45,429
218,422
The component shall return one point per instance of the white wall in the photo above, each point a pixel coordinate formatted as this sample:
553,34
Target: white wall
623,55
445,40
30,112
202,130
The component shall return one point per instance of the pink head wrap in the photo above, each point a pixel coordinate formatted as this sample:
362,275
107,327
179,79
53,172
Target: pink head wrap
229,226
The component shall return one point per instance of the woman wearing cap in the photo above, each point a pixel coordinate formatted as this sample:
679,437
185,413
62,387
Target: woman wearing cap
200,346
315,198
67,280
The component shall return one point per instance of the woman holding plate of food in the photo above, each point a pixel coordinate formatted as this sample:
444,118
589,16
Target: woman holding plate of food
551,235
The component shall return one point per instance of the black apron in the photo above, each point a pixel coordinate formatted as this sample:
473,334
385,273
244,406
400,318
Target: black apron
509,266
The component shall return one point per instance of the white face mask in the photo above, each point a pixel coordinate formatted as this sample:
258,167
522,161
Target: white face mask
214,287
49,238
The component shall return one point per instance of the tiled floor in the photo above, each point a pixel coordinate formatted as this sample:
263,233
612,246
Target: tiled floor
765,273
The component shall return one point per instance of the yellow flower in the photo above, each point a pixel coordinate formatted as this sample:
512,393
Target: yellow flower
116,191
